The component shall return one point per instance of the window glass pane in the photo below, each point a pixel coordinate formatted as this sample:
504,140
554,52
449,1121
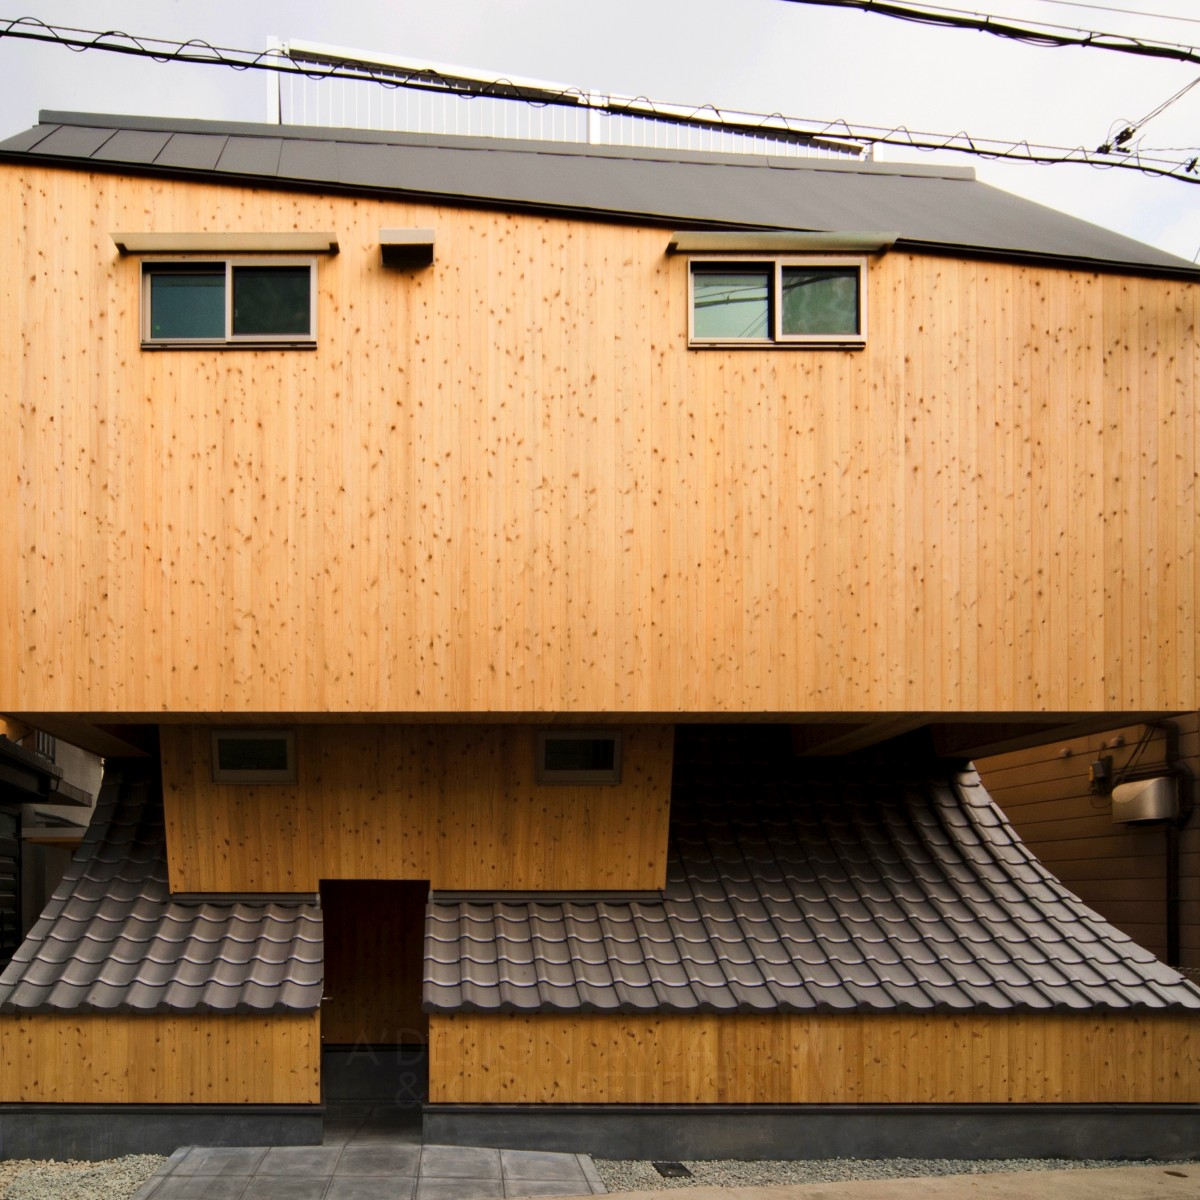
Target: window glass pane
271,300
820,300
731,303
252,754
580,754
188,302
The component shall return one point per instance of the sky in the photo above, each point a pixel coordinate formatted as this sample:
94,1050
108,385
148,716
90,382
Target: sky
754,55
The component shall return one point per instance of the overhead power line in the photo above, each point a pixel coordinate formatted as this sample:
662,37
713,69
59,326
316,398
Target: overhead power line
1125,12
198,52
1035,33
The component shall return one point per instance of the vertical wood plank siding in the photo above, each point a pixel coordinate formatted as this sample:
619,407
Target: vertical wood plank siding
1120,870
454,805
97,1058
504,484
788,1059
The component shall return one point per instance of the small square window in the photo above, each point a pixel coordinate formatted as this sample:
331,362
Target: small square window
253,756
777,302
578,756
229,302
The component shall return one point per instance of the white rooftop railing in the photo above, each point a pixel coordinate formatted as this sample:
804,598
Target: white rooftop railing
533,110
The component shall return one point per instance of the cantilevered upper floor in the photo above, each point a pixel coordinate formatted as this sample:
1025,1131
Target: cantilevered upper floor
314,421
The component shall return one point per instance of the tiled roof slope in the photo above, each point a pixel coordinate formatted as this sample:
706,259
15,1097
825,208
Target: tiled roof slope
800,888
111,939
926,206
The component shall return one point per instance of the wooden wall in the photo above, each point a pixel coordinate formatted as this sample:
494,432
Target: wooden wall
1120,870
504,484
97,1058
786,1059
454,805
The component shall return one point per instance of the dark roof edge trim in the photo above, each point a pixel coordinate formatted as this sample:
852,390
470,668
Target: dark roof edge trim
1104,266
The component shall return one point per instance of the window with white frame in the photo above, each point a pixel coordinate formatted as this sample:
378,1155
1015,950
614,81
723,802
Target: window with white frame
778,301
229,301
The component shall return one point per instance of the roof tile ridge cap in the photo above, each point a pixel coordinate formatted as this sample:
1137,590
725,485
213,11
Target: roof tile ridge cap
1086,914
1053,992
110,801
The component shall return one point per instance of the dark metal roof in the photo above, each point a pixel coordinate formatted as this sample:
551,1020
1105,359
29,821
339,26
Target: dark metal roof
790,888
112,939
943,208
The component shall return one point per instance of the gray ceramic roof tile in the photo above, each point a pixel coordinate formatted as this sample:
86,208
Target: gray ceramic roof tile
800,887
112,939
942,207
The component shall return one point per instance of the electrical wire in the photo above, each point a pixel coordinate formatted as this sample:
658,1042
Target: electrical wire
1035,34
839,132
1129,129
1125,12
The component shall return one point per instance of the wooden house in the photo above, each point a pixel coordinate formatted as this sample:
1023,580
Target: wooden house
539,602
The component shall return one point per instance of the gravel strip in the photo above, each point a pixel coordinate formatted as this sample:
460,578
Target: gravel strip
632,1176
111,1179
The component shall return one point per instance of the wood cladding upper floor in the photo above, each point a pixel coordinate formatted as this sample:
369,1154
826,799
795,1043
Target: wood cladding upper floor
454,805
503,483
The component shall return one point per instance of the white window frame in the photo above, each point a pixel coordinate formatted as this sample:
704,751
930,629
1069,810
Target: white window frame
230,339
777,262
608,778
234,775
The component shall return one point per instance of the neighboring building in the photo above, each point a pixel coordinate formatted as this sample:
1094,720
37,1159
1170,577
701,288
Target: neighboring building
538,601
48,792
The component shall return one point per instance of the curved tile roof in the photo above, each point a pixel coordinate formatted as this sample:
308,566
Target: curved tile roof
801,888
927,206
112,939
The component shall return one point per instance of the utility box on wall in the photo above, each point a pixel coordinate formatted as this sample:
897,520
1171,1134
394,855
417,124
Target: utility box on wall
1154,799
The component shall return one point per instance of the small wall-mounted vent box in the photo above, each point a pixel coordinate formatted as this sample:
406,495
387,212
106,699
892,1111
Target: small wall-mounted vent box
1146,800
